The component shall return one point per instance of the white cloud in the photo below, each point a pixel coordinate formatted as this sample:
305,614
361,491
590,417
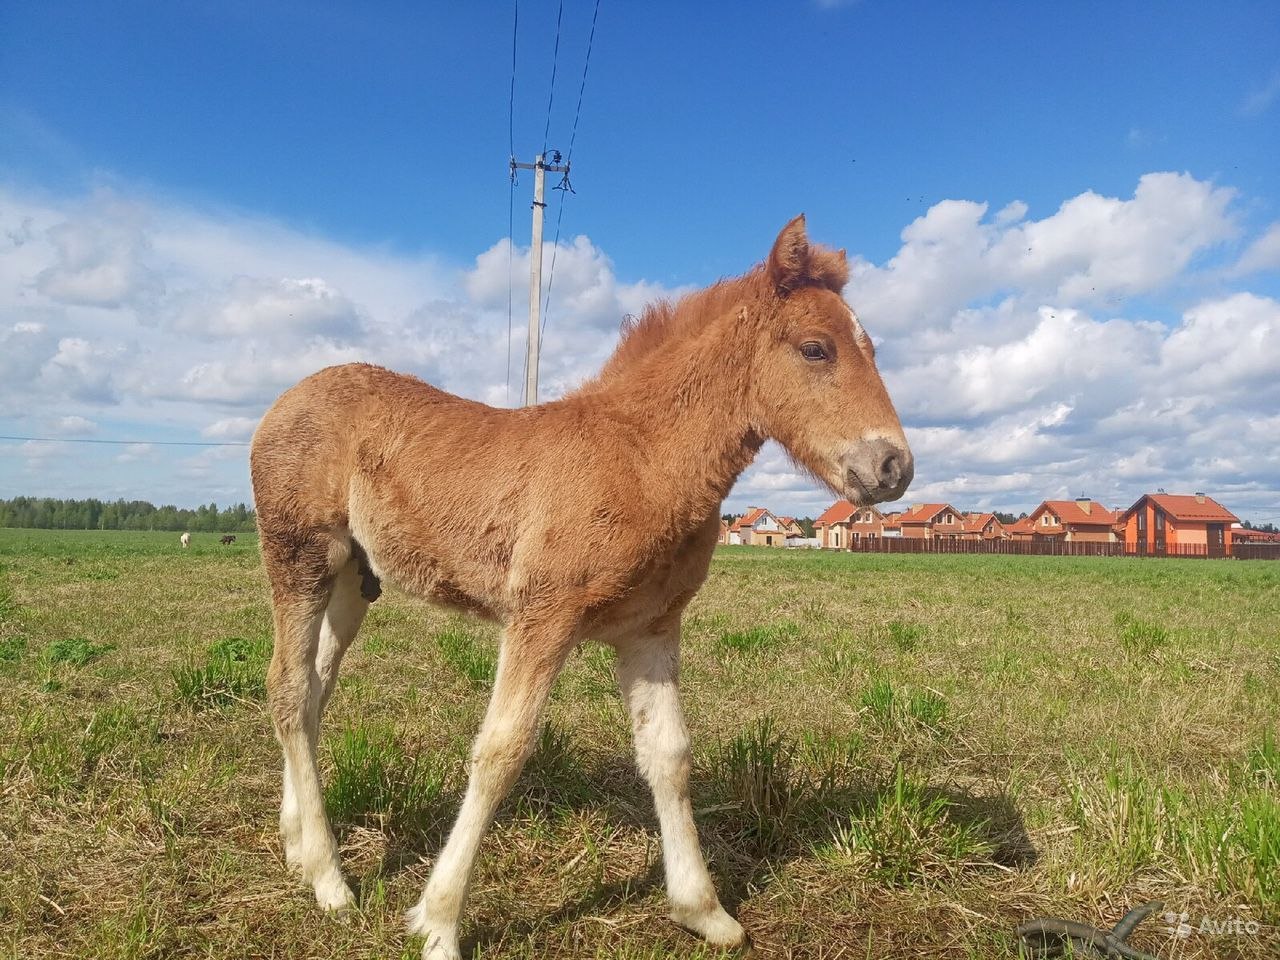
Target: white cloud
1262,254
1092,250
100,256
135,452
1065,353
36,458
74,426
82,371
271,309
1009,343
256,376
230,428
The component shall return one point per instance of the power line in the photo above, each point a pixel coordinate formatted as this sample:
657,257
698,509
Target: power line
583,85
564,185
130,443
511,99
551,96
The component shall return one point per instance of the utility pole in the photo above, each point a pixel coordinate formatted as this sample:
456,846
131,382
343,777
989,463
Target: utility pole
539,168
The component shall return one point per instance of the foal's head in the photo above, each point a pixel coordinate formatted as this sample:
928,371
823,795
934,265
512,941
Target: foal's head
815,386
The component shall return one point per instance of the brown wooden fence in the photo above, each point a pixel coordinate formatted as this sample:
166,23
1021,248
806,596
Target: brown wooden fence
1056,548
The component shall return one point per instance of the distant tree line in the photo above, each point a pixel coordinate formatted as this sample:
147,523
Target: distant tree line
49,513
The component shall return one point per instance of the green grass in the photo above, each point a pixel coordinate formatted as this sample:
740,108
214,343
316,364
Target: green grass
468,655
893,756
908,834
904,636
1139,637
758,638
373,777
76,651
233,671
895,709
12,649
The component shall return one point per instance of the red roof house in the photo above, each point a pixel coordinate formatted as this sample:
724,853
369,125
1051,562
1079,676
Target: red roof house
941,521
982,526
1160,521
832,527
1075,521
759,527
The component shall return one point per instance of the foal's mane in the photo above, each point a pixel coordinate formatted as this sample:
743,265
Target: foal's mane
666,320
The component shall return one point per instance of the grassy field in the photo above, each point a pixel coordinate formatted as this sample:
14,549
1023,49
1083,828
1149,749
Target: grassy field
897,756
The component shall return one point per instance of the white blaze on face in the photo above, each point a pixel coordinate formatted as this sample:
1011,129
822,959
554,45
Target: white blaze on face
859,334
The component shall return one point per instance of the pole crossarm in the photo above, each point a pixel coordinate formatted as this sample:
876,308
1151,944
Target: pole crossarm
557,168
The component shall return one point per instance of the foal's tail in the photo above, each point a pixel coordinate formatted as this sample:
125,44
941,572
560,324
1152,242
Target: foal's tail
300,461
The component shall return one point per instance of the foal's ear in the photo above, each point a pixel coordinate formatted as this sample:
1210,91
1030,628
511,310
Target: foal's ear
788,264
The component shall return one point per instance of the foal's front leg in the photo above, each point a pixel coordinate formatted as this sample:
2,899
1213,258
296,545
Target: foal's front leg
648,668
527,666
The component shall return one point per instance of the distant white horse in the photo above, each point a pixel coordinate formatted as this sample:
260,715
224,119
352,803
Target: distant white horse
186,540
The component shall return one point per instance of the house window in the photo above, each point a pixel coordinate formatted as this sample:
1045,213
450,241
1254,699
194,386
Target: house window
1159,520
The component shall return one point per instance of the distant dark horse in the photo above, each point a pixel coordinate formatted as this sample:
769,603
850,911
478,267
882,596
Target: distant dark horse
229,538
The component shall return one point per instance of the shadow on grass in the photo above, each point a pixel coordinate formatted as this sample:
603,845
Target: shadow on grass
762,800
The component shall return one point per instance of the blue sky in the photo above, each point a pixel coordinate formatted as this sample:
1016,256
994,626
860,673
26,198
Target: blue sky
205,201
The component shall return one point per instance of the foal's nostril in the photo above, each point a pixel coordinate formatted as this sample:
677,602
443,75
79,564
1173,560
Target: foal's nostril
890,471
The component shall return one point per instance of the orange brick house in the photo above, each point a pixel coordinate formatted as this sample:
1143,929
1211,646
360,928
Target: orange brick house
832,527
868,524
790,528
1160,521
939,521
843,524
982,526
758,527
1020,529
1073,521
891,526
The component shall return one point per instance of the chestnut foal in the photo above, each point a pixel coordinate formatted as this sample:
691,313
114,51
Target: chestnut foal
591,517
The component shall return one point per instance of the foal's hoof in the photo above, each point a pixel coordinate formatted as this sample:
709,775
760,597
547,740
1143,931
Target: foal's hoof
714,926
333,895
441,939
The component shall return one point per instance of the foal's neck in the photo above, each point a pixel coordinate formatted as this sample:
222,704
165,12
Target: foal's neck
689,402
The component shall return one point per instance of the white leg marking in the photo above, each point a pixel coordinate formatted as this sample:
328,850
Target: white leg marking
648,670
308,839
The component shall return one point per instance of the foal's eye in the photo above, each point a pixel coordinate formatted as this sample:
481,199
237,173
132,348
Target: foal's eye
813,350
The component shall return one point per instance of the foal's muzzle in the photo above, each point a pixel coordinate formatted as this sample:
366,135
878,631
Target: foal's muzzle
876,470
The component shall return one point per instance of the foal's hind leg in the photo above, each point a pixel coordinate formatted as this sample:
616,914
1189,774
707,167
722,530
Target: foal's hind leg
341,621
301,595
648,667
